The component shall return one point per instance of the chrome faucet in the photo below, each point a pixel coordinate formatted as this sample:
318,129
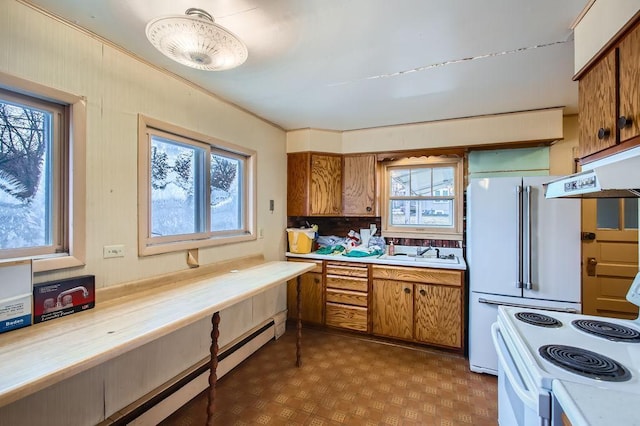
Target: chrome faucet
422,252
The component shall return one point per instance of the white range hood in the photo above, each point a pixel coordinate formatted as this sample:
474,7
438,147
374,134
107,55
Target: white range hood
616,176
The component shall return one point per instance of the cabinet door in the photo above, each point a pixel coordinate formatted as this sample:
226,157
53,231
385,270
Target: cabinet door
311,297
359,185
326,185
629,89
597,107
438,315
298,180
392,309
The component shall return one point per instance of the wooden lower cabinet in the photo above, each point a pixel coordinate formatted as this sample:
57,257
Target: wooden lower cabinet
418,304
347,296
438,315
392,309
311,292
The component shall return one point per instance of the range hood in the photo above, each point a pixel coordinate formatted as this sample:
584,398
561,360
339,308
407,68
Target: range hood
616,176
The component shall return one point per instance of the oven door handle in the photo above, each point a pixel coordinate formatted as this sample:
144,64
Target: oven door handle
522,306
513,377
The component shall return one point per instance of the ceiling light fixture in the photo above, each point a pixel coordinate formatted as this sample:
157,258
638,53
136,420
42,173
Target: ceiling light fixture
195,40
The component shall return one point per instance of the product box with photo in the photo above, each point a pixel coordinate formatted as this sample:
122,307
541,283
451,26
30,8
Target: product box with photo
55,299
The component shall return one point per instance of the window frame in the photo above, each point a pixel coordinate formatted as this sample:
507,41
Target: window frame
148,245
423,232
68,178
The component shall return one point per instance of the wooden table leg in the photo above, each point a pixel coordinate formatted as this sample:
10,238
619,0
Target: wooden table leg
299,324
213,366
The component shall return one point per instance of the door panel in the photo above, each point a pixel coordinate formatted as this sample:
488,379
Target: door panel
555,245
615,254
392,309
492,229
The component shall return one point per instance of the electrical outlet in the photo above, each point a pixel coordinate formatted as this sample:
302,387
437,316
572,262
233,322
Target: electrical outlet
113,251
261,233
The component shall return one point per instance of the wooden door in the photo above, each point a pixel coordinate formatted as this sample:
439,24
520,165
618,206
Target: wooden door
629,89
359,185
311,292
326,185
610,261
438,315
298,182
392,309
597,106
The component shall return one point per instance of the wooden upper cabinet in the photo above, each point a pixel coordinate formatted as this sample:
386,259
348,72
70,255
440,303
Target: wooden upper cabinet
597,106
359,185
314,184
609,100
629,91
326,185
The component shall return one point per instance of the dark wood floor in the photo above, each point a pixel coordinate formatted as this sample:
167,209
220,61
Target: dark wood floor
346,380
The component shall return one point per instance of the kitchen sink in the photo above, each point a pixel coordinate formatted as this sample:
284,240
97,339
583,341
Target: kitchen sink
421,259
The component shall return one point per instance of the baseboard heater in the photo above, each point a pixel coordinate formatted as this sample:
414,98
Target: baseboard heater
168,398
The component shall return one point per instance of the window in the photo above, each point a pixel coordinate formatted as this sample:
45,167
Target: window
422,198
40,197
195,191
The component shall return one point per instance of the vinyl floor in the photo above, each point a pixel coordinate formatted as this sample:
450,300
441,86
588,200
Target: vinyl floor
347,380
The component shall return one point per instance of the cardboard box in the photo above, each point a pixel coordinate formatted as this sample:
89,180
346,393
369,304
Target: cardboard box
55,299
16,280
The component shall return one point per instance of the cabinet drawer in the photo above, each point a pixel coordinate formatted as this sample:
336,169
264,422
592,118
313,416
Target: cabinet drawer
344,316
418,275
318,267
346,269
343,283
347,297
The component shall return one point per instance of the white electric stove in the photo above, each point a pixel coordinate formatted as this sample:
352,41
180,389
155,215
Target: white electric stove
537,346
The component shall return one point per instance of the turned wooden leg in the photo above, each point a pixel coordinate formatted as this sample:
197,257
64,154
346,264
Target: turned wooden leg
213,366
299,325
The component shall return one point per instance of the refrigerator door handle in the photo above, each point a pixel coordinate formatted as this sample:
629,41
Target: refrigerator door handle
527,244
523,306
519,220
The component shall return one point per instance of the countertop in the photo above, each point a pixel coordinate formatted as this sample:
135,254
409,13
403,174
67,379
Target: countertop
400,260
586,405
40,355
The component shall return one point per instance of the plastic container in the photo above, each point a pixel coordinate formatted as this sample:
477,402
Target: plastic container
301,239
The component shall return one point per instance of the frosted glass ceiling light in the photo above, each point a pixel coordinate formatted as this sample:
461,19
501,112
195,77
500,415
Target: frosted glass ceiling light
196,41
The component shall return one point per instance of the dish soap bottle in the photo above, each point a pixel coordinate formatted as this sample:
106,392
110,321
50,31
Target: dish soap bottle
392,249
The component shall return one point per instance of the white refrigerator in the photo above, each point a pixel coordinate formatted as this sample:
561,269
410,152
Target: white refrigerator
522,250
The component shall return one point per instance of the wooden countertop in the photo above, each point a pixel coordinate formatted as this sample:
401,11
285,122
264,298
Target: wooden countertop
38,356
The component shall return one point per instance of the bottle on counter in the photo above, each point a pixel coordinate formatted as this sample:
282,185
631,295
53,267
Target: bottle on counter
392,249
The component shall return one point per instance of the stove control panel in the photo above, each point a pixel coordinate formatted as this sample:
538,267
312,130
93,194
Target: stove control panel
633,295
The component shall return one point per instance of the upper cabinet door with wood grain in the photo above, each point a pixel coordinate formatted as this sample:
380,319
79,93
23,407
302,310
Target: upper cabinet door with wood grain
298,178
359,185
629,88
597,106
326,185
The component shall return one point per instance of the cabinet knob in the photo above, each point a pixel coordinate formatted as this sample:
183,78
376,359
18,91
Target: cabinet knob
624,122
406,290
369,209
316,280
603,133
423,292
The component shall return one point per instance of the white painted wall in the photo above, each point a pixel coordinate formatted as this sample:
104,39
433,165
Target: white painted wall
599,25
117,88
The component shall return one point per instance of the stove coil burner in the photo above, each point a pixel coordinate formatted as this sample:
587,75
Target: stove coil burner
585,363
540,320
608,330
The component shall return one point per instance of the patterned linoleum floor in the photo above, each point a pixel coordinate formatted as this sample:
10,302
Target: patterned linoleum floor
346,380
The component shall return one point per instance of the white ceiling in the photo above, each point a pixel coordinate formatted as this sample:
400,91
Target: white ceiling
352,64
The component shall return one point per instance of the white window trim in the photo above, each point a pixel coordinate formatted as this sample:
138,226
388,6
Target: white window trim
144,193
75,222
422,232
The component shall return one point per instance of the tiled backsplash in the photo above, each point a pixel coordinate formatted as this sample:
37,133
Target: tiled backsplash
341,226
